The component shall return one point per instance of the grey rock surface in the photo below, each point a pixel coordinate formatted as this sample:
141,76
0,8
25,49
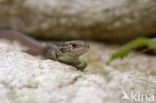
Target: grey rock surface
108,20
28,79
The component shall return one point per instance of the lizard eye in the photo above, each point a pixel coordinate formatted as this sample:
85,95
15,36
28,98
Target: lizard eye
74,45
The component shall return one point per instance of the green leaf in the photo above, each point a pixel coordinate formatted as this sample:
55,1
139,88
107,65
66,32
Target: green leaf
152,44
124,50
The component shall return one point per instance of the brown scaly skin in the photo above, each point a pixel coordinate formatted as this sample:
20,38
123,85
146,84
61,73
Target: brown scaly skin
65,52
69,53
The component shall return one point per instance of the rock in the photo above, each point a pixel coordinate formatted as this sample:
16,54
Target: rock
108,20
28,79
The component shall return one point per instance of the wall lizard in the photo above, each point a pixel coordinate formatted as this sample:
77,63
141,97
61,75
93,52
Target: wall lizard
66,52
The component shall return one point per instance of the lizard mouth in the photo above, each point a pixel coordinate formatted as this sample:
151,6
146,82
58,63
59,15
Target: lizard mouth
74,48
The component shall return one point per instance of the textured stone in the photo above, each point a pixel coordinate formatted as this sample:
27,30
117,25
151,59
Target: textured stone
28,79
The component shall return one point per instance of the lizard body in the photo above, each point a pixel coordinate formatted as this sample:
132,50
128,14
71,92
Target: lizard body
66,52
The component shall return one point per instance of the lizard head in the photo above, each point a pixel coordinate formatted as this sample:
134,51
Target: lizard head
74,48
69,53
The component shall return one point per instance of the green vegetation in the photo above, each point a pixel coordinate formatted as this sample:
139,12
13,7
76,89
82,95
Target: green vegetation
125,49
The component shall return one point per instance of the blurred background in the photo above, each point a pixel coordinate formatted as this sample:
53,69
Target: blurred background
103,20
